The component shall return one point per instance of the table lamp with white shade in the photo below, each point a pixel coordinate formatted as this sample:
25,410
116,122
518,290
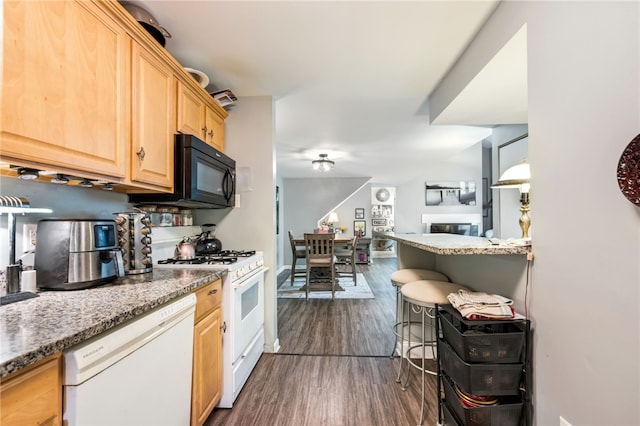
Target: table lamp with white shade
519,176
333,218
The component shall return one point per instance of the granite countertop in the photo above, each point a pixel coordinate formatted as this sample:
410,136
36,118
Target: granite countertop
33,329
453,244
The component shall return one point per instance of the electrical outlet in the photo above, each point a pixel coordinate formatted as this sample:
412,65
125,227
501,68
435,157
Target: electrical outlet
563,422
29,236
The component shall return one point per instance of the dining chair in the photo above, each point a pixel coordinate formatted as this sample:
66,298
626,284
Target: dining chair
297,252
348,255
320,254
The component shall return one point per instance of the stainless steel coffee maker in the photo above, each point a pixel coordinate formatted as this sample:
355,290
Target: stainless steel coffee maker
73,254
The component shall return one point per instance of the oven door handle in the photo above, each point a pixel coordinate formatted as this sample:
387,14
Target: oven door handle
249,281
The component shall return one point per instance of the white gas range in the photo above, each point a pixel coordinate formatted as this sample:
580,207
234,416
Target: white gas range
242,313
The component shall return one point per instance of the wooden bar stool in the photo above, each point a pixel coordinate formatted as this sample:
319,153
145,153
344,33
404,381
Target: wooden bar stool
423,297
398,279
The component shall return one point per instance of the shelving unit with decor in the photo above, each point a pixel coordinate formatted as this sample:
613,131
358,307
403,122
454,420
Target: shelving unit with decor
363,252
483,370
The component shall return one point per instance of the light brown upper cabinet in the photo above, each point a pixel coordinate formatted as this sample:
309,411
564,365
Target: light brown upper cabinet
65,85
200,116
153,124
88,92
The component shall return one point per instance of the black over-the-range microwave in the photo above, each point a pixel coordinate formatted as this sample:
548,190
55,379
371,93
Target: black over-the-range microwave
203,177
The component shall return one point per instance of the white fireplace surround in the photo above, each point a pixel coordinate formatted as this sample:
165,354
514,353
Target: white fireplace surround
474,219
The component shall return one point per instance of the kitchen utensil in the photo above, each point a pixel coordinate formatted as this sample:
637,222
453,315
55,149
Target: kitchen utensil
201,78
185,250
206,242
149,23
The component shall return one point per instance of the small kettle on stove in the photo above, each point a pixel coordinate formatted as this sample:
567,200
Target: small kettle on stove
206,242
185,250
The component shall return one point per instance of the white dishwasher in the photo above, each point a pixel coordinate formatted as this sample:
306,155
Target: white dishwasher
137,374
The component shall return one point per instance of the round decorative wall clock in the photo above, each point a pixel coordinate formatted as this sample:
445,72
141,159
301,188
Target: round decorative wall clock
383,195
629,171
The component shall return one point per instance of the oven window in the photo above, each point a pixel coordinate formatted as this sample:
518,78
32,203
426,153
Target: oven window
249,300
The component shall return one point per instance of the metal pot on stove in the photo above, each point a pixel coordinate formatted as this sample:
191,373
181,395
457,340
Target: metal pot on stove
206,242
185,250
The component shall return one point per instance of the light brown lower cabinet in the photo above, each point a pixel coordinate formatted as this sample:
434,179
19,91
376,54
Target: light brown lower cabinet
207,352
33,396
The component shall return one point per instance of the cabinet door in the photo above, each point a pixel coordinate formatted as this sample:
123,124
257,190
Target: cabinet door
207,367
190,112
215,129
153,124
33,396
65,81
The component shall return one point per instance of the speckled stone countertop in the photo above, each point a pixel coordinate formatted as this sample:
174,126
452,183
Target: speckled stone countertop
33,329
453,244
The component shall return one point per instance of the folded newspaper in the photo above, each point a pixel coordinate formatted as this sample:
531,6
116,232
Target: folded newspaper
475,305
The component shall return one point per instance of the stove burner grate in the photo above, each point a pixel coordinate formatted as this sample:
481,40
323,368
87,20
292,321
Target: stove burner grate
236,253
225,257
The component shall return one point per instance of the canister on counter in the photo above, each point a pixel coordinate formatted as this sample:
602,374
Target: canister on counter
186,217
175,216
166,218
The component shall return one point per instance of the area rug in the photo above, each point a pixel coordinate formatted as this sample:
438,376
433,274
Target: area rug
345,290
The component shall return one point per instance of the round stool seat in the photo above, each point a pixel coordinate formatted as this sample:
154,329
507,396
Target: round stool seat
429,292
403,276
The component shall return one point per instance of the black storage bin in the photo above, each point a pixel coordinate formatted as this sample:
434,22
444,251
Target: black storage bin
507,413
480,379
449,419
493,341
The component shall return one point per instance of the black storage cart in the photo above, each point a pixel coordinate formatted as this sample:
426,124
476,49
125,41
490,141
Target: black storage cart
487,360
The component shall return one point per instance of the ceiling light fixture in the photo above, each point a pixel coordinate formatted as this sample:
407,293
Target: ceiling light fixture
28,174
323,164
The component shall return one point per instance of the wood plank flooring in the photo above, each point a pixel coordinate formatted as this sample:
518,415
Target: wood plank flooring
333,367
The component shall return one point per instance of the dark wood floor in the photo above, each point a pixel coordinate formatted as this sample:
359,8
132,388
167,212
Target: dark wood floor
333,367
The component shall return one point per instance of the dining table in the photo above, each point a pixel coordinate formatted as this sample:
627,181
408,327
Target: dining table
321,275
340,239
344,240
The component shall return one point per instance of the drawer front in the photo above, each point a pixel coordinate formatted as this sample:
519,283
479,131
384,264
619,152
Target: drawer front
208,298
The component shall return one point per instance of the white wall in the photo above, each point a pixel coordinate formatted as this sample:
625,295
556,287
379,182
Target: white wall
250,140
282,239
584,108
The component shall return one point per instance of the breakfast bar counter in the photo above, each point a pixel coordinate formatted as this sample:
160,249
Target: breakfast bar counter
457,244
470,261
33,329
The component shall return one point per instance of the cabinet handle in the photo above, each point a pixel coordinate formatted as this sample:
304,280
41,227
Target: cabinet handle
204,129
210,133
212,292
224,326
141,154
